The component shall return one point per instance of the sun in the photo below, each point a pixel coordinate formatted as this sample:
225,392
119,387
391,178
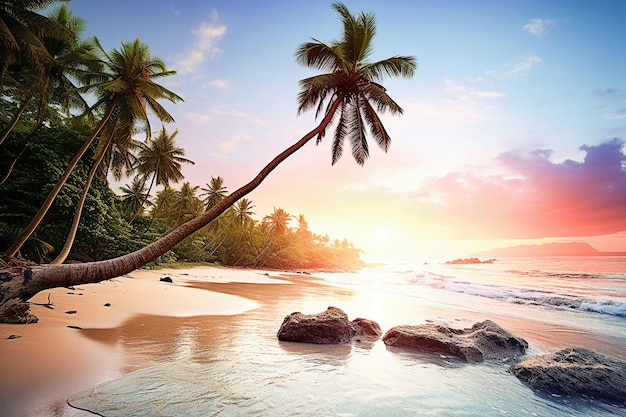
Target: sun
381,236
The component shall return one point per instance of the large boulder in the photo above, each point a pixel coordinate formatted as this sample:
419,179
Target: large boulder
330,327
575,371
484,340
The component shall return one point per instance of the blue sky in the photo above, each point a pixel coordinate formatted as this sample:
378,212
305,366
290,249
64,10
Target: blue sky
509,122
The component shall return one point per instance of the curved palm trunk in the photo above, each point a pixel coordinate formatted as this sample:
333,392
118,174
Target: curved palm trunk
69,241
16,119
10,170
28,143
34,223
22,283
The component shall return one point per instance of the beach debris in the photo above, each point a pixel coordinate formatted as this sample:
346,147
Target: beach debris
70,312
14,336
483,341
15,311
75,327
575,371
49,304
330,327
107,304
166,279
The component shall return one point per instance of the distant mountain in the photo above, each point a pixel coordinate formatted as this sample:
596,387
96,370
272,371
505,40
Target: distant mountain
549,249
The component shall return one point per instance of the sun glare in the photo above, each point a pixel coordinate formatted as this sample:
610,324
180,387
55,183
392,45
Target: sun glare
381,236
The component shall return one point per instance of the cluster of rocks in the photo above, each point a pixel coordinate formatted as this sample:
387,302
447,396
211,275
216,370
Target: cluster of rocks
575,371
330,327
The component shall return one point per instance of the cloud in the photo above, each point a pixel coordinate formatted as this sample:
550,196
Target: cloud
516,69
540,27
620,114
537,198
611,97
207,35
229,145
217,83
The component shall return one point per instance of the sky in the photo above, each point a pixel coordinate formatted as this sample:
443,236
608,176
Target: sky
513,132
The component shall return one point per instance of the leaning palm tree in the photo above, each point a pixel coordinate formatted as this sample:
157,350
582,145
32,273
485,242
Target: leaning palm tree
126,81
351,81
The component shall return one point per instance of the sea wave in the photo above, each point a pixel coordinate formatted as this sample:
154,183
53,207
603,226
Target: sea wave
520,295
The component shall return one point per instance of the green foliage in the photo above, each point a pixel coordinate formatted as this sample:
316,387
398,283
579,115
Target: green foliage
39,138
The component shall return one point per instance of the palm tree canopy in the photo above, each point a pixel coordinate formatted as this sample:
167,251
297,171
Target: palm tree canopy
162,158
243,211
214,193
278,221
70,59
22,30
353,81
127,76
133,198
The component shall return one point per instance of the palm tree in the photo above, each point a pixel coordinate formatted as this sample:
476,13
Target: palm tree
66,59
133,198
243,211
21,30
278,221
126,82
352,81
162,205
214,193
111,134
186,205
161,159
350,84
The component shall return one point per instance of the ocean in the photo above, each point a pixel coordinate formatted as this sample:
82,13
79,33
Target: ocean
244,370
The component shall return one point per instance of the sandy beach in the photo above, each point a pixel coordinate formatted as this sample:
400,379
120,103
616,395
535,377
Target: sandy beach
51,360
214,330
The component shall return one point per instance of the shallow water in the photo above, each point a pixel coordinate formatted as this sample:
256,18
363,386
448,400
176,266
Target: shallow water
233,366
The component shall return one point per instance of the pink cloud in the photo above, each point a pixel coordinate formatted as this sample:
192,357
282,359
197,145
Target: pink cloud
538,198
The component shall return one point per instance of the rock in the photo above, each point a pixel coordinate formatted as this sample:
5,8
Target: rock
14,336
366,329
329,327
166,279
75,327
107,304
70,312
575,371
469,261
15,311
484,340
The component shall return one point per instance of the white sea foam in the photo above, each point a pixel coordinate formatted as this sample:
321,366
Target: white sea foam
595,292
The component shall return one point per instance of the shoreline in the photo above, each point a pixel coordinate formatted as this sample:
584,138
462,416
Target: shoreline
150,322
47,361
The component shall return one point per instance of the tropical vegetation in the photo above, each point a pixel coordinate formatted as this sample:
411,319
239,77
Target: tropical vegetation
56,145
